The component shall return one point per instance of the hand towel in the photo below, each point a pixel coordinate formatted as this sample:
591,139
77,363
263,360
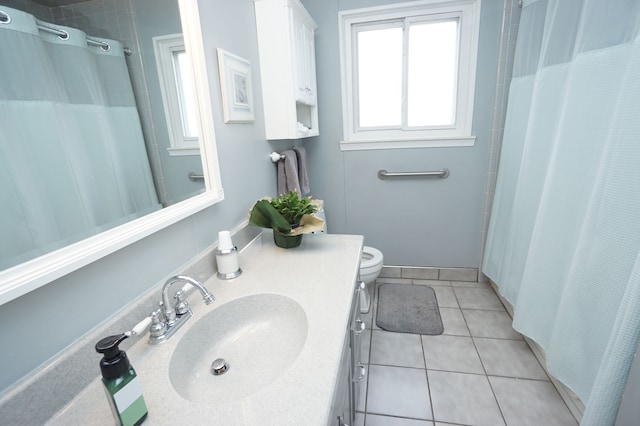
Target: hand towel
288,173
303,175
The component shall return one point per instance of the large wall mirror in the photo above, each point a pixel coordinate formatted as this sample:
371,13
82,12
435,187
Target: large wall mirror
107,132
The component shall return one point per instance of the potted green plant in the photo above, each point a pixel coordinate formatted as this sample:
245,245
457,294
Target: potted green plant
289,215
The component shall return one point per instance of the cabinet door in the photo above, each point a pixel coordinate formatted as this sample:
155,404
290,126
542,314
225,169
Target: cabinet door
298,62
287,69
304,61
341,405
310,65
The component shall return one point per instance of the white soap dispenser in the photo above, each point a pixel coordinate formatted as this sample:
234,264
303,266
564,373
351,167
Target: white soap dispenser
226,257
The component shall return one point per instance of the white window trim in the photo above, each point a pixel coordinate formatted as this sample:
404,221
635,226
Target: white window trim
164,46
355,139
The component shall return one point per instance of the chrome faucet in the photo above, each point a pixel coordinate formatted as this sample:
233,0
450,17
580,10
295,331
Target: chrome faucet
166,320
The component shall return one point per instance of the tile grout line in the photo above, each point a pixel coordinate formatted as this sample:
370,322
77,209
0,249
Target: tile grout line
426,366
557,384
426,374
473,341
485,375
493,392
373,318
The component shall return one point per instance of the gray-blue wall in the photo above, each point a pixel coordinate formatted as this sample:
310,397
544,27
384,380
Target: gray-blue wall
38,325
413,222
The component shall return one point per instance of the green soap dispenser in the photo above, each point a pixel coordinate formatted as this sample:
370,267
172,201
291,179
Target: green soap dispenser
120,382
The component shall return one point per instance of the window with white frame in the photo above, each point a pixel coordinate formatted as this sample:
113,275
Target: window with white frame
178,96
408,74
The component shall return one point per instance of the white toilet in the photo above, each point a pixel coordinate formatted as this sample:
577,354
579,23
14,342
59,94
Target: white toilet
370,267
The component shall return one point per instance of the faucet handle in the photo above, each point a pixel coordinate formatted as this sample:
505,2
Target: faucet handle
167,313
157,327
182,306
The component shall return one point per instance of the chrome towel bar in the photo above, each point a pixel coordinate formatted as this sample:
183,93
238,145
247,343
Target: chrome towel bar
442,174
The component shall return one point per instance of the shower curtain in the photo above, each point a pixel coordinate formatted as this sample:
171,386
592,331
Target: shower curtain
72,157
563,244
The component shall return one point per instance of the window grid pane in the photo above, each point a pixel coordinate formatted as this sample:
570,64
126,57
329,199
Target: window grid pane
432,73
186,94
379,65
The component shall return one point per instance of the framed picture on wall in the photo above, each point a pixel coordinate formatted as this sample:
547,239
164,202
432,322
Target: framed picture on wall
236,87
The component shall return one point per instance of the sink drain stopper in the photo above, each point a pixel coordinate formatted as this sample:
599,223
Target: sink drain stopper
219,366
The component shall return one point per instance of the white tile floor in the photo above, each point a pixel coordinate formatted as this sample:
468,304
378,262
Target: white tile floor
478,372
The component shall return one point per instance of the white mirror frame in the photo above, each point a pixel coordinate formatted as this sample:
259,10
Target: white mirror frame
25,277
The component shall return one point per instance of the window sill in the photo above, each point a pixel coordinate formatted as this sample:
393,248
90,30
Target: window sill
177,152
403,144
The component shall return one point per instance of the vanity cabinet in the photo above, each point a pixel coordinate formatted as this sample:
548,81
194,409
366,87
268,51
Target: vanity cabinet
341,409
351,370
311,382
287,68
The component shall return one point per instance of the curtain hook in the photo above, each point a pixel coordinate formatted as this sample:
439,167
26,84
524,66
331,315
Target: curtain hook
5,18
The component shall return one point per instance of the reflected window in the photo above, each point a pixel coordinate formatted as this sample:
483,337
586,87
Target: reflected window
178,94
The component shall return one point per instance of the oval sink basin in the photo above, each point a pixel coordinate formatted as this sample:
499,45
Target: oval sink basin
258,336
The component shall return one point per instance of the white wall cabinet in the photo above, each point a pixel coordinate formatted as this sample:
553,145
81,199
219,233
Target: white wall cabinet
287,68
305,62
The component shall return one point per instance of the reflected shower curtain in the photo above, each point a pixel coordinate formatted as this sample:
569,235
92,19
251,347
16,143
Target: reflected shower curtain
563,244
72,157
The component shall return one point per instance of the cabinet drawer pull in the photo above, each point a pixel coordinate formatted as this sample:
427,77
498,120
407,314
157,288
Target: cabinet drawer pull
363,373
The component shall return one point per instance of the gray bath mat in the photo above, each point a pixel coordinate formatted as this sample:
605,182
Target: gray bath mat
408,309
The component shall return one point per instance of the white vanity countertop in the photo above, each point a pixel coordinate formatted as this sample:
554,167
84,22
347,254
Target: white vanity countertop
319,275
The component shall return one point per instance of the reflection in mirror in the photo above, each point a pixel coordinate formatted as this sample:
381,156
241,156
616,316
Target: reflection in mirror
84,145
